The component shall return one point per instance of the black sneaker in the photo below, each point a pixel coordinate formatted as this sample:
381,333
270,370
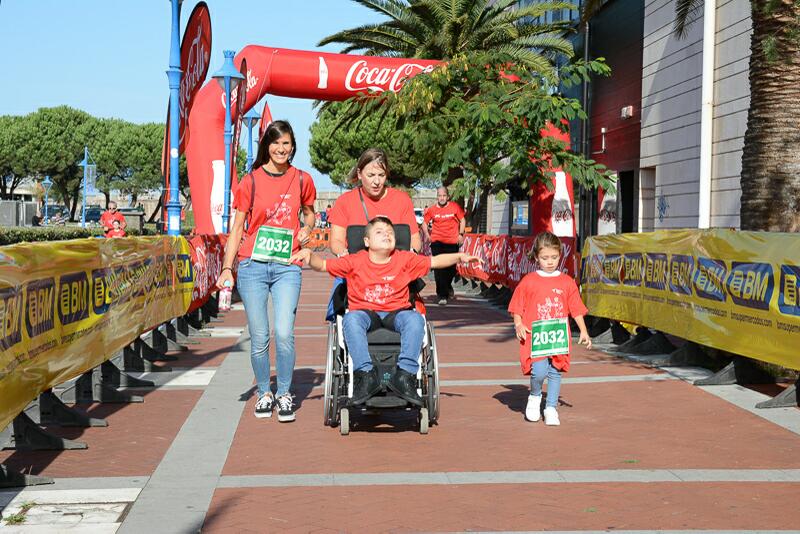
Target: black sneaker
264,406
285,405
405,385
365,385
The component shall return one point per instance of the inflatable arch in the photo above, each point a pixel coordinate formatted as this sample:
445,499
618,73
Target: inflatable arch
300,74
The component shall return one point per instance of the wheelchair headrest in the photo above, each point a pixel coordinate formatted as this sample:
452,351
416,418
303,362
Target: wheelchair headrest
355,237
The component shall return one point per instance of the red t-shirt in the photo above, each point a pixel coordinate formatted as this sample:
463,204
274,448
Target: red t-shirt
107,220
539,296
395,204
277,203
116,233
379,287
446,221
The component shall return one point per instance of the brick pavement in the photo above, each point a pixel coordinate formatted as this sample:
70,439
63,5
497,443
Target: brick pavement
613,464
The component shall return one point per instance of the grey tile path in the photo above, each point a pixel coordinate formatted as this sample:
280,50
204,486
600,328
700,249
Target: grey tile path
177,495
512,477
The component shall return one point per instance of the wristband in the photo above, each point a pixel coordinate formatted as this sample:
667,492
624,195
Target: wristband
226,269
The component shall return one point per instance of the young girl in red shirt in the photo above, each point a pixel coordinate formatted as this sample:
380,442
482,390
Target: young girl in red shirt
541,306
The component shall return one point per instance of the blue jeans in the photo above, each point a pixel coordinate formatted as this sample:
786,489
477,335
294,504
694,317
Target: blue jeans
256,281
540,370
409,323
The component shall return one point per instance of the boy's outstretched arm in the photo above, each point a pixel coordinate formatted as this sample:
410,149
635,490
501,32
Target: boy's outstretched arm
446,260
310,259
584,337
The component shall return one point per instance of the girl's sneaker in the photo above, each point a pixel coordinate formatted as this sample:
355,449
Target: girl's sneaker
551,416
285,405
533,409
264,406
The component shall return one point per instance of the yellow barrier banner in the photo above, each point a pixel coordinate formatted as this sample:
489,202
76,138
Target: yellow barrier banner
67,306
731,290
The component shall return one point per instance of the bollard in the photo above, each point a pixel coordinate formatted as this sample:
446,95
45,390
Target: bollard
13,479
741,370
53,411
23,434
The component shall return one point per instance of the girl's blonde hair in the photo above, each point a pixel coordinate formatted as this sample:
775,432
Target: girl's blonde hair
544,240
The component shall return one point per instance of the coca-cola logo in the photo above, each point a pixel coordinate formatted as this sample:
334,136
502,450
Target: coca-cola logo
196,66
361,77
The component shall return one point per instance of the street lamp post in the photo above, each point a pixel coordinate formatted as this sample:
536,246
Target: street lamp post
174,75
251,118
229,78
85,164
47,183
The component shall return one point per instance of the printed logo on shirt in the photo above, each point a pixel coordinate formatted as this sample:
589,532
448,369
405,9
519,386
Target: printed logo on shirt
281,213
378,294
551,309
388,278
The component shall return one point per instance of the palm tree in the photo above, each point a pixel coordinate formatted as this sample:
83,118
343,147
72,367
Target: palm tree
440,29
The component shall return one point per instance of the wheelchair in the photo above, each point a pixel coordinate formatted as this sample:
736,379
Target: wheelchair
384,348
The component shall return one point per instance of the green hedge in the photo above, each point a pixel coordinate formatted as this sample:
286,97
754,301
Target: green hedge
11,235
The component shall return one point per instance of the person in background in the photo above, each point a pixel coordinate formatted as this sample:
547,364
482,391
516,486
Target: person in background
446,236
269,200
116,231
109,216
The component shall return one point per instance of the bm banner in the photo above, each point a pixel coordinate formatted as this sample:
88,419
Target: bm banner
732,290
67,306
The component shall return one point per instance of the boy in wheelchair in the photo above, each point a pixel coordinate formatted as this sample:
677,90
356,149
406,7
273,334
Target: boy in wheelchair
377,291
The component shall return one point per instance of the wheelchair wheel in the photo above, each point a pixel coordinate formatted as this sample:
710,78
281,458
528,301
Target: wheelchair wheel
344,421
424,421
331,386
432,368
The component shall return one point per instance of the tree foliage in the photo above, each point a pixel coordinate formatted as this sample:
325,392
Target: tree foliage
335,149
483,115
50,142
443,29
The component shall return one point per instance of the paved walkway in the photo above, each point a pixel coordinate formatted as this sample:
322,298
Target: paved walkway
639,449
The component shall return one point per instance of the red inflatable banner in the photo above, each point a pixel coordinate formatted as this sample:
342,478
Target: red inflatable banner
282,72
553,210
207,255
506,259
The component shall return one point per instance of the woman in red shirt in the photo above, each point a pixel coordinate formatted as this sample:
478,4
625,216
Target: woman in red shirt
371,198
269,200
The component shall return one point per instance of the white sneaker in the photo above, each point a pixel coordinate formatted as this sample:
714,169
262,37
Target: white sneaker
442,302
533,409
264,406
551,416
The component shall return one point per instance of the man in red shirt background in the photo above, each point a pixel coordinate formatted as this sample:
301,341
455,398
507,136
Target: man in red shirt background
109,216
446,235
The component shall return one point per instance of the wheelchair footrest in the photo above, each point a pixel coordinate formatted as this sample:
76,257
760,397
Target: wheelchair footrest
389,401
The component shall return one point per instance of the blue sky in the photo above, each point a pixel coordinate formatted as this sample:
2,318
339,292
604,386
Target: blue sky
109,57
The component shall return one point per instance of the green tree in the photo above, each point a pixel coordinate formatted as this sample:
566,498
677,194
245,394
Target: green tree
335,150
13,153
55,147
441,29
433,29
483,115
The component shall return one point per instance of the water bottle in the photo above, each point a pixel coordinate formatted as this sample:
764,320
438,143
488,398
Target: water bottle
225,296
